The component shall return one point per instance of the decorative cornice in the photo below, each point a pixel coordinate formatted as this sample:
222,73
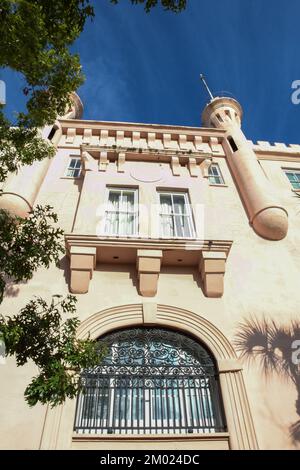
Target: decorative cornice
138,127
72,239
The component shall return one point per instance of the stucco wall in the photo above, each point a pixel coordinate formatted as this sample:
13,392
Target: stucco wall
261,279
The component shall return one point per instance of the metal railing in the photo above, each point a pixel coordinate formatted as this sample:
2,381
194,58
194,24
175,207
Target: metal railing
139,404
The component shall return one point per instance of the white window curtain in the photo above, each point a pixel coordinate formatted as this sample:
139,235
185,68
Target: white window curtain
121,213
175,216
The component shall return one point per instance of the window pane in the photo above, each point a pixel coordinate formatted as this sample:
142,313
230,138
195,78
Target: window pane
165,203
182,226
179,204
74,168
114,201
127,202
214,174
167,226
120,215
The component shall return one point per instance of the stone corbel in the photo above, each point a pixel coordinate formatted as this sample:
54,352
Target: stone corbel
121,162
82,265
148,269
182,141
192,165
71,133
120,138
87,161
87,136
214,145
103,161
167,140
104,137
175,166
151,139
212,270
136,136
204,166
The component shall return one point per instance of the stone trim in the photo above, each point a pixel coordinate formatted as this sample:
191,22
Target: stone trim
149,257
58,431
82,265
148,263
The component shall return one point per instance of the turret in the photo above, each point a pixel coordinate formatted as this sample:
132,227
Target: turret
21,188
266,215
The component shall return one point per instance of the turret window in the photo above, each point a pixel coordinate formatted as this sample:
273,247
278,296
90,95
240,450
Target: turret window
233,145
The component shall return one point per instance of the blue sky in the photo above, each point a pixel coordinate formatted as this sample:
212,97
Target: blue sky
145,67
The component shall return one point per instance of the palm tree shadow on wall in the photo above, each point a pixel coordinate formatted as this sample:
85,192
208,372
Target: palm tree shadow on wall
273,346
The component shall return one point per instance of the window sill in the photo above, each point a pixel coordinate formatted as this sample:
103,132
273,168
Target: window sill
152,442
219,185
149,437
70,177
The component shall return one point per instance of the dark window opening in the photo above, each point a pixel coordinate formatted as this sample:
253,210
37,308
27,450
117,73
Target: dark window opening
52,133
232,144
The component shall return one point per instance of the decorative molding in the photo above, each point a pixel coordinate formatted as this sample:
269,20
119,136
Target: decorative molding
192,166
204,166
121,162
149,313
87,136
73,239
58,431
175,166
148,264
71,133
210,254
212,270
88,162
103,161
82,265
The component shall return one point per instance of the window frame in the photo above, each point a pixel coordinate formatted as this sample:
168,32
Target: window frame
135,211
292,171
219,175
189,213
74,157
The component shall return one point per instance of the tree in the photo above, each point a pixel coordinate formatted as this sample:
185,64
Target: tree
35,41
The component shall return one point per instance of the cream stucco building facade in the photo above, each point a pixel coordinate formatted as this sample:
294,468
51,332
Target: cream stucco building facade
174,235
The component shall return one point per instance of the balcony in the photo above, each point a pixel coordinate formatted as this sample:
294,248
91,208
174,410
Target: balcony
149,256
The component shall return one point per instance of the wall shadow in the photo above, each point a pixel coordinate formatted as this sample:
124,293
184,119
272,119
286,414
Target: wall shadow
271,345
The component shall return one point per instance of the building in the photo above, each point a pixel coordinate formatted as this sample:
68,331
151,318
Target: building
174,236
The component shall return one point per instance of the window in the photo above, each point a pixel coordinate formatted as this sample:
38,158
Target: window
175,215
233,145
121,215
74,168
215,175
294,178
151,381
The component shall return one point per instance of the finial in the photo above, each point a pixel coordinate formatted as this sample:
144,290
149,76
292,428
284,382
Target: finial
202,78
